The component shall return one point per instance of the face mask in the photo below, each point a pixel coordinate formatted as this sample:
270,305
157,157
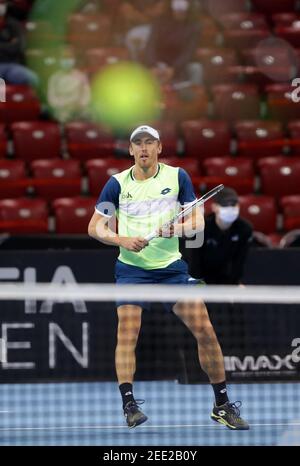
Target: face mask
228,214
67,63
179,5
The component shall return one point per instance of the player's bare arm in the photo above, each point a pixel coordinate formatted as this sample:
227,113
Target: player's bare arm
193,223
99,229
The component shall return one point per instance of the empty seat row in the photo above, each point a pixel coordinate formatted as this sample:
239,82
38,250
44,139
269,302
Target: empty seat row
201,139
278,176
254,138
24,215
271,61
276,61
231,102
218,7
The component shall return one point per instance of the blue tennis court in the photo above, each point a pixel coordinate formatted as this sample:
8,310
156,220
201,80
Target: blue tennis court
91,414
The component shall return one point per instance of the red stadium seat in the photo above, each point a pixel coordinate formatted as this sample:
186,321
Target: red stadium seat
88,31
289,33
241,39
235,172
274,6
12,172
168,137
258,138
33,140
21,104
284,19
260,211
21,216
88,140
294,134
244,21
186,103
280,175
236,102
291,212
276,60
215,62
188,163
99,57
3,141
217,8
280,104
206,138
268,54
56,178
100,170
251,75
72,214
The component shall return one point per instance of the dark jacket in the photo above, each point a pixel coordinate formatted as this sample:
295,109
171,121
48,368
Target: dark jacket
11,41
172,42
221,258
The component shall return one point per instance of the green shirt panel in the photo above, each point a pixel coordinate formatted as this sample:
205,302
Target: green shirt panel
144,206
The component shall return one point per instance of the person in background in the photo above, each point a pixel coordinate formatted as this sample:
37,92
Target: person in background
172,44
68,90
20,9
12,47
227,237
135,19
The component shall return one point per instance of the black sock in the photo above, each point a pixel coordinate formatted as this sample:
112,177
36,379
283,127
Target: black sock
220,393
126,393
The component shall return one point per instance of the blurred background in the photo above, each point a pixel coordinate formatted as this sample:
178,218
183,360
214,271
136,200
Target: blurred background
214,77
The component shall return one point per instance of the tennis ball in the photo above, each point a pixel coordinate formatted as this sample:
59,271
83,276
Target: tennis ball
124,94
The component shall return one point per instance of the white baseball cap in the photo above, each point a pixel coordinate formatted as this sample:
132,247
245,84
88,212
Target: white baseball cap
145,129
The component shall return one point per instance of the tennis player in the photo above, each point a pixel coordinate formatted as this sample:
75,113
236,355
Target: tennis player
143,198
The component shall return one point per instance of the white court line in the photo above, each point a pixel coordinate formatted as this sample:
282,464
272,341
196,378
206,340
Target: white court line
171,426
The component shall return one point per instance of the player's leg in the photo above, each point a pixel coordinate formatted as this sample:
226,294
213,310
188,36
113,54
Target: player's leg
129,324
196,318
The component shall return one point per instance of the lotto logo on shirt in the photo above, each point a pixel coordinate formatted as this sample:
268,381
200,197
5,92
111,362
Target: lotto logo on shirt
166,191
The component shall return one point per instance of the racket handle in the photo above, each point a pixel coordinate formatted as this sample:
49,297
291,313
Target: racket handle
151,236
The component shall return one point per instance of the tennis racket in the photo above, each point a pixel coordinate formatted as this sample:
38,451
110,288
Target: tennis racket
188,209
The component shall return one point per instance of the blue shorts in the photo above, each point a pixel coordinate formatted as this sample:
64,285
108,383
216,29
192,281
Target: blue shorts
175,274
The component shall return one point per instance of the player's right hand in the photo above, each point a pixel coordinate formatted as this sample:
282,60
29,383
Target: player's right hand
135,244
